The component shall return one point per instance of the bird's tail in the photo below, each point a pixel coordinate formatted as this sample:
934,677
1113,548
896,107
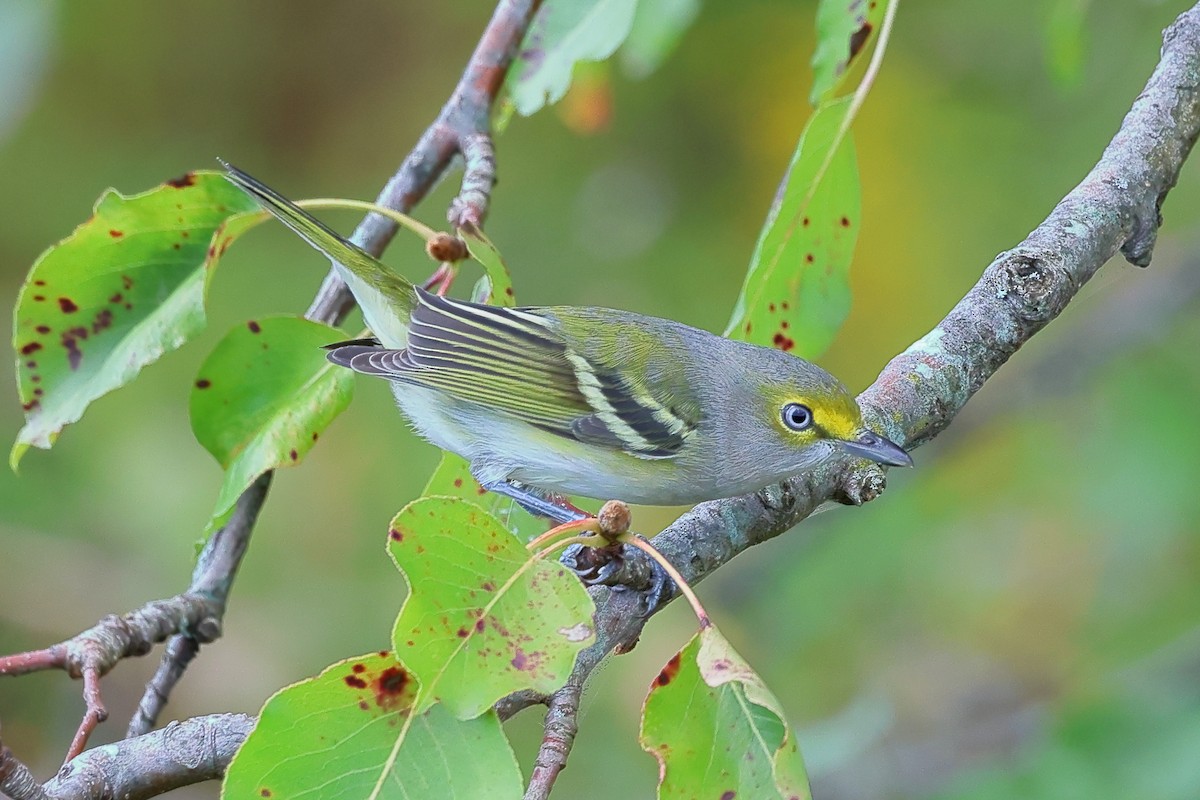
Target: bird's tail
387,299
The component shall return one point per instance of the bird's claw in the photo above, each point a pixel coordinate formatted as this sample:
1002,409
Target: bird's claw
620,566
623,568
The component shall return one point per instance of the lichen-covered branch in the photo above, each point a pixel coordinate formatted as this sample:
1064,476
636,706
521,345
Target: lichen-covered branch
180,754
16,781
1115,209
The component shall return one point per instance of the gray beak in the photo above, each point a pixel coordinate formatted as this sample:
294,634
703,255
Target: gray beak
876,448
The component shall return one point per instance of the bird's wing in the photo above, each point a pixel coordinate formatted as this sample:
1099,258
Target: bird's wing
514,360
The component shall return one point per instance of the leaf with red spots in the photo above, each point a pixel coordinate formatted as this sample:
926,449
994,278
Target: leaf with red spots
347,733
483,618
844,29
126,287
797,291
261,395
563,34
717,730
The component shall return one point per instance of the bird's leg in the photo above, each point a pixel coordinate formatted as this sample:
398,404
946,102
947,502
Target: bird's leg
538,503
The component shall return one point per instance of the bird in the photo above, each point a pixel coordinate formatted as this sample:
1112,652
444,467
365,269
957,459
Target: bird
548,401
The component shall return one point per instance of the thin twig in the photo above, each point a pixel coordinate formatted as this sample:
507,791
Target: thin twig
92,653
212,578
562,723
460,128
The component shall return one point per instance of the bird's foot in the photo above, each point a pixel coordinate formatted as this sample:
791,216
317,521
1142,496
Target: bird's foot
622,567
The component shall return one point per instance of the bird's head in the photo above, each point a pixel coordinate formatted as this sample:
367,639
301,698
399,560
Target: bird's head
810,414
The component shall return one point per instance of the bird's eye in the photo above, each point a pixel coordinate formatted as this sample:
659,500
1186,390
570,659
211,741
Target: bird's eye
797,417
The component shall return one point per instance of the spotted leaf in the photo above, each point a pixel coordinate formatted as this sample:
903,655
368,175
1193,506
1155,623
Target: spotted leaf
126,287
263,397
797,291
483,618
844,29
347,733
716,729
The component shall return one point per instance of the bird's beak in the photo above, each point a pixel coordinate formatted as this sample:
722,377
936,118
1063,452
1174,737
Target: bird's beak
869,444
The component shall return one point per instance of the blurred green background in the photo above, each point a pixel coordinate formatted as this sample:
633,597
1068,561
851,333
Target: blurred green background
1018,616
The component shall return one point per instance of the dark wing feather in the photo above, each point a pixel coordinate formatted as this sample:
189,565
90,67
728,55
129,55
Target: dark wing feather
514,360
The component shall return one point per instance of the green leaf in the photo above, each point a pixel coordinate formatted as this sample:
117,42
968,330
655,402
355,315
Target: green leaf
716,729
658,25
563,33
844,28
483,618
496,286
797,291
263,397
346,734
127,286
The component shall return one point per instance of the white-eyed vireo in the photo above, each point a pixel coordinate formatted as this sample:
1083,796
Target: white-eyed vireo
589,401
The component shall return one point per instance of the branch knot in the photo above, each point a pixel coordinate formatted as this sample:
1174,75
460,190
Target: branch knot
1028,283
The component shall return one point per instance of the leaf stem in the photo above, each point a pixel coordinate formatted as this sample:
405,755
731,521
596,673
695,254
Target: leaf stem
586,524
404,220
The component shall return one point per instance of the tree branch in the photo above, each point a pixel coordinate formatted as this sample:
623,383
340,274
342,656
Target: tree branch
16,781
1114,209
94,652
463,127
212,578
561,725
180,754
